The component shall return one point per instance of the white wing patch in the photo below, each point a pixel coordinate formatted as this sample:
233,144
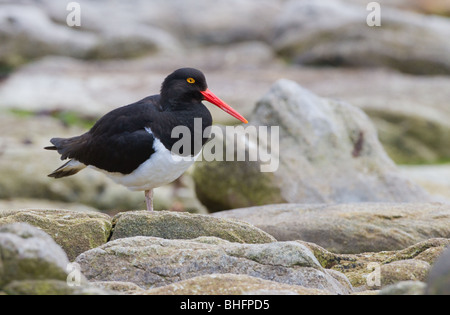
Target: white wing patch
149,130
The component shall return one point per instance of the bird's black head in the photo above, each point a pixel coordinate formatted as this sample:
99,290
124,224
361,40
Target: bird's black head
187,86
184,86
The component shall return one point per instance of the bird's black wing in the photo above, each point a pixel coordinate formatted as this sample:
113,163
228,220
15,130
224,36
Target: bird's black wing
118,142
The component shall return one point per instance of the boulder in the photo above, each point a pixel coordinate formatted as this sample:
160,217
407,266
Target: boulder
350,228
411,113
231,284
305,33
327,151
438,282
30,30
183,225
155,262
27,32
76,232
27,253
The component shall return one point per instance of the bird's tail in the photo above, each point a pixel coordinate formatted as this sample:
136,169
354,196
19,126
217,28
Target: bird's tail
70,168
68,148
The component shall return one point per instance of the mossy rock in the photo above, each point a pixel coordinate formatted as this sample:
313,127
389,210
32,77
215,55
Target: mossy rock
183,225
51,287
241,184
410,138
27,253
75,232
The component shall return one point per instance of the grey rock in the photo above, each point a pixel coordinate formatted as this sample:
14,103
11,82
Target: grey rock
410,114
27,253
30,30
350,228
27,32
74,231
222,23
231,284
305,33
438,282
154,262
178,225
404,288
328,152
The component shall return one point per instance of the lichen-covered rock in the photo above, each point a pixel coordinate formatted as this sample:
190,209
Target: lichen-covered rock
350,228
27,253
183,225
438,282
404,270
154,262
75,232
231,284
375,270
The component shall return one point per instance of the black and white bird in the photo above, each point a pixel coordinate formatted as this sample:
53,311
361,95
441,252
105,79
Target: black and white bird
133,144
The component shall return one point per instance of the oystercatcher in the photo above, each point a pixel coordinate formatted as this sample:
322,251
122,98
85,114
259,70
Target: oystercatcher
133,144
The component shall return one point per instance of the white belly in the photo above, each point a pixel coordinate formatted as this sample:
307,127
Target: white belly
161,169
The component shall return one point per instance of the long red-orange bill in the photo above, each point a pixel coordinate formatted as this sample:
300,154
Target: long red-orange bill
210,97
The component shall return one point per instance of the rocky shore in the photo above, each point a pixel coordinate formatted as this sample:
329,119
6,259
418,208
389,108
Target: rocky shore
359,201
158,255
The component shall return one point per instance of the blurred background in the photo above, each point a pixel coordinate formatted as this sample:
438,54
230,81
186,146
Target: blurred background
56,80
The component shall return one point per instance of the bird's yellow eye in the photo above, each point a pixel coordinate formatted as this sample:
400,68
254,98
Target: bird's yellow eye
190,80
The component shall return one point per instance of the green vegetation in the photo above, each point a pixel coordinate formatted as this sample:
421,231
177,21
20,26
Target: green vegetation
67,118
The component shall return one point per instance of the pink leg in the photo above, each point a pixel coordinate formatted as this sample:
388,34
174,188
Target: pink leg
149,199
